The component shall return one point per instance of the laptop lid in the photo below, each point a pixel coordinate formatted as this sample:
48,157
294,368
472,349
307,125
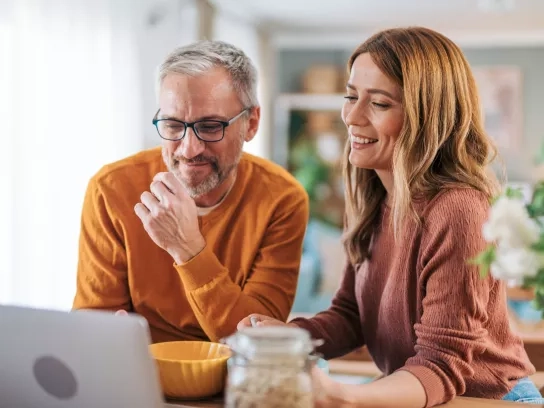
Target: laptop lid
80,359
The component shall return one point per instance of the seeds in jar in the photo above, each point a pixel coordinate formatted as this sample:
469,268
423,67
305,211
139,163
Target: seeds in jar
266,387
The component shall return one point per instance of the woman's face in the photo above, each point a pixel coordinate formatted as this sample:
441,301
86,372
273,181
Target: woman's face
373,114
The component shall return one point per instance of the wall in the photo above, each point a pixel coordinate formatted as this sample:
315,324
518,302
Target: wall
519,164
245,35
293,63
163,26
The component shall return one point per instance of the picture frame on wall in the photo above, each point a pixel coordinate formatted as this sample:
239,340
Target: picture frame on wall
501,98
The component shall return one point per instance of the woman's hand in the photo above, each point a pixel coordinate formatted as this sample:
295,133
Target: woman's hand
327,392
399,390
259,320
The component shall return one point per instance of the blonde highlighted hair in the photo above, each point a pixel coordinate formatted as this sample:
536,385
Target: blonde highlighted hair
442,143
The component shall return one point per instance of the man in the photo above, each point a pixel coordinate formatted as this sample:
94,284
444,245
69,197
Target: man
195,235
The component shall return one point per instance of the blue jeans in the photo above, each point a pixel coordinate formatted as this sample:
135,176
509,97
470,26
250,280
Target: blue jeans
524,391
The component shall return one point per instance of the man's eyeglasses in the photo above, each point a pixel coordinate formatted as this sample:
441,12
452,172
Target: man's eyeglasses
206,130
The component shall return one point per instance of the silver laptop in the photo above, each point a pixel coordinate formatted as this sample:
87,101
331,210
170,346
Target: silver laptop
82,359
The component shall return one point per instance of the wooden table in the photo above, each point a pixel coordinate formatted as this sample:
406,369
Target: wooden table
459,402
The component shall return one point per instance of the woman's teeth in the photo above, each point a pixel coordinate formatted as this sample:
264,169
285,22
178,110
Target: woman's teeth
362,140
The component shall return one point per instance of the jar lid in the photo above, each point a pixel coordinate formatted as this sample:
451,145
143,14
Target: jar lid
271,341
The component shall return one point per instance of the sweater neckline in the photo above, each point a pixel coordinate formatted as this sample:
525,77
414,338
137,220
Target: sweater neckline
233,195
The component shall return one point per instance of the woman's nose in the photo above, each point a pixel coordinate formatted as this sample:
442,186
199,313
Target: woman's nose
356,115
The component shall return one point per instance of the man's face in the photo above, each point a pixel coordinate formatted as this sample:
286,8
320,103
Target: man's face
203,166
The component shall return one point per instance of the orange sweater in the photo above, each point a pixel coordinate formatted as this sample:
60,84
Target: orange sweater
249,265
419,306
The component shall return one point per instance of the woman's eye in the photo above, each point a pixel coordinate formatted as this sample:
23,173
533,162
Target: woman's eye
350,98
380,105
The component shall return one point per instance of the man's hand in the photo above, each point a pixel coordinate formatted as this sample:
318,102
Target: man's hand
259,320
170,217
121,312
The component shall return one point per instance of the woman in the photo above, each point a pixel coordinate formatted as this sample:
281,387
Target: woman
417,192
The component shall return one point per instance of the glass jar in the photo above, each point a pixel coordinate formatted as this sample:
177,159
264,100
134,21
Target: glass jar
270,367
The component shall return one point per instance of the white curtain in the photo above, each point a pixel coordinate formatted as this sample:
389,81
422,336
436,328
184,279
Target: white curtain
70,102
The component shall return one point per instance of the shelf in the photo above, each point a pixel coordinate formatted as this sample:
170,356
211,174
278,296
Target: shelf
310,102
285,103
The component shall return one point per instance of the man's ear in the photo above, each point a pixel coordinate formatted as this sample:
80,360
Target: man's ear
253,123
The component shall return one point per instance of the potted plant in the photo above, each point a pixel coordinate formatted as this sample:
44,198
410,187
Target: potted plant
515,235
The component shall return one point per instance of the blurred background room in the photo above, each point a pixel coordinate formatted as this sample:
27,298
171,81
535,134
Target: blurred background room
77,90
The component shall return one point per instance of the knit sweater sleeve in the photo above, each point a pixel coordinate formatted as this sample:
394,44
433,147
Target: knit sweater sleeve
340,325
102,281
452,330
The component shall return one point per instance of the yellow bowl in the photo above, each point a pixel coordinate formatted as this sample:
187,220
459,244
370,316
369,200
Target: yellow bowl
191,369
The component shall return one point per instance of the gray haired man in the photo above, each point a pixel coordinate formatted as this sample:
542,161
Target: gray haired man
196,234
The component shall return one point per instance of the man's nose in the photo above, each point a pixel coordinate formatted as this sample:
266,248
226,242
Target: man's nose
191,146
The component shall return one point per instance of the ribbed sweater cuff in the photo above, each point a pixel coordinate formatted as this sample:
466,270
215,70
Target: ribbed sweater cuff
310,326
431,382
200,270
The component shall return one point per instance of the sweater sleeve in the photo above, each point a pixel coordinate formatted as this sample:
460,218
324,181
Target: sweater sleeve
452,331
101,281
340,325
219,303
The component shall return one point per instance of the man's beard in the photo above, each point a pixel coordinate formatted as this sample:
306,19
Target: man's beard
217,176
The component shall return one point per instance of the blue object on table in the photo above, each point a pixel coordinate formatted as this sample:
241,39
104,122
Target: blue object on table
524,311
323,364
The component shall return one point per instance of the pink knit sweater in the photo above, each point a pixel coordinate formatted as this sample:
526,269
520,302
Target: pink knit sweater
419,306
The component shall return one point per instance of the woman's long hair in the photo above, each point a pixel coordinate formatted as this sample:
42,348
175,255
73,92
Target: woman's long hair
442,143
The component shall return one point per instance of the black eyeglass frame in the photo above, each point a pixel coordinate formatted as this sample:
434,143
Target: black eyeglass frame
192,126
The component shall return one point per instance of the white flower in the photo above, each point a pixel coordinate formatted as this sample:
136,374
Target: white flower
515,264
509,224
